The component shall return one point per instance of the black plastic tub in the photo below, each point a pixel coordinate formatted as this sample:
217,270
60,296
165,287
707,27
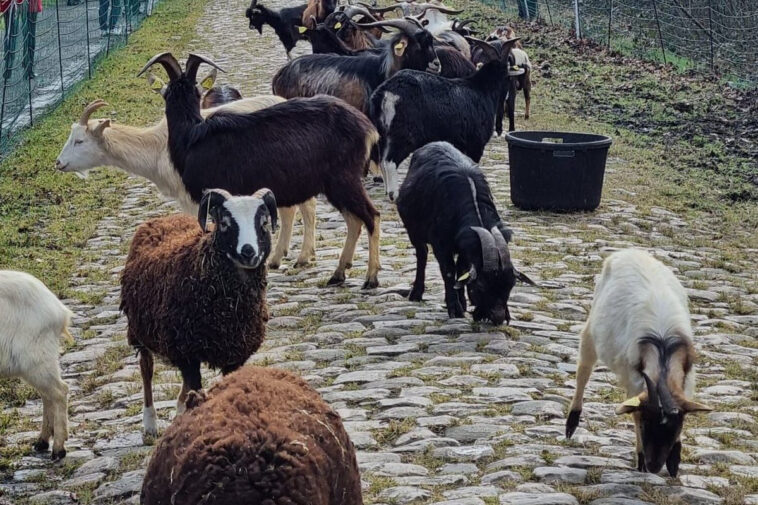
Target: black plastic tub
557,171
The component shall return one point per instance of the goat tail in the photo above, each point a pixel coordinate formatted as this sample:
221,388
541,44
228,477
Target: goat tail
65,333
372,153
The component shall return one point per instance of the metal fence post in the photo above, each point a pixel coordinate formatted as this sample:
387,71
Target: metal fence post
60,54
576,19
660,34
710,32
549,15
86,27
610,21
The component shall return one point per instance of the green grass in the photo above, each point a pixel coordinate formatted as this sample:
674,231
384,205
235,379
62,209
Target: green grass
48,216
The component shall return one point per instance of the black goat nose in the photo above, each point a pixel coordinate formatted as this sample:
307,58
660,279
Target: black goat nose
247,251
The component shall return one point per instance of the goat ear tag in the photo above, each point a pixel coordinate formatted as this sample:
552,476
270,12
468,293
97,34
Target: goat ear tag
301,29
207,83
464,276
634,401
337,25
400,47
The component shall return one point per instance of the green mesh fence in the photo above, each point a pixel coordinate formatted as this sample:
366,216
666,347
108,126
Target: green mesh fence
717,36
44,54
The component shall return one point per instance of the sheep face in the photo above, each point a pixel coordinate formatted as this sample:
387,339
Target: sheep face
244,225
83,150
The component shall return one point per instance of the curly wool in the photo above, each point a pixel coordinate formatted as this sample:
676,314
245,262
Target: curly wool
186,301
262,436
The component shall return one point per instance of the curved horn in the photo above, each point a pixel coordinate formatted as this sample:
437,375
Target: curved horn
212,198
401,24
89,109
489,249
380,9
441,8
268,198
502,247
354,10
652,391
193,63
173,69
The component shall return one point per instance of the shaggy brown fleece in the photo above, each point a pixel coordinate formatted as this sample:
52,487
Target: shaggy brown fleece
186,301
261,437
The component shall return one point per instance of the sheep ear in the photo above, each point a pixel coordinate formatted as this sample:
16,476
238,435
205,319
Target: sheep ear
268,198
400,46
692,406
630,405
209,80
212,199
101,126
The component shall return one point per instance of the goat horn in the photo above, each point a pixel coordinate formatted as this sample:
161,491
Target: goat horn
193,63
355,10
441,8
502,247
89,109
652,391
401,24
489,249
379,9
173,69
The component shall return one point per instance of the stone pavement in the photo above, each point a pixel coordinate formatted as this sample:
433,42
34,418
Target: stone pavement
441,411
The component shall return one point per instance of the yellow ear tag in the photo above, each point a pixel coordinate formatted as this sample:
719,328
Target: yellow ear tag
634,401
207,83
337,25
464,277
515,67
301,29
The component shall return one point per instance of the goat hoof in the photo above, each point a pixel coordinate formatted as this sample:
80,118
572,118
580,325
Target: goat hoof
336,280
415,297
41,446
301,263
58,454
572,422
371,283
378,178
641,467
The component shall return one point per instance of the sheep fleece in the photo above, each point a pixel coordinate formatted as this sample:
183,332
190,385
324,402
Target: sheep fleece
261,437
186,301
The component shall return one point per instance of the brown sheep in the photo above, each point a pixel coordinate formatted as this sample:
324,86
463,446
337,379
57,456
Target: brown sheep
260,436
193,297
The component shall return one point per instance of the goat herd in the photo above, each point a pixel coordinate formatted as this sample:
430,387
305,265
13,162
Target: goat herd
197,294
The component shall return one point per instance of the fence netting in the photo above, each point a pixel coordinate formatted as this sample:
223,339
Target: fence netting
51,45
718,36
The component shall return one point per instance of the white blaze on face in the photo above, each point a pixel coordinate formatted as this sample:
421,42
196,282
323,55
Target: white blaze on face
389,169
244,211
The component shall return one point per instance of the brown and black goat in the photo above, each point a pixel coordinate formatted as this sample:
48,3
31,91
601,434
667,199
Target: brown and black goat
639,326
317,11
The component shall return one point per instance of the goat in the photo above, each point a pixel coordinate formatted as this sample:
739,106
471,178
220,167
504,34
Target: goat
211,307
414,108
299,149
316,11
354,78
639,326
32,320
210,95
260,436
285,22
352,33
144,152
445,201
520,69
325,41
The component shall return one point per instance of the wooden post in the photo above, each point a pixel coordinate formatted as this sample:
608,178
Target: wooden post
660,34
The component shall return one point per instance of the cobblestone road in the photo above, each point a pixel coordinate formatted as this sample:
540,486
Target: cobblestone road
441,411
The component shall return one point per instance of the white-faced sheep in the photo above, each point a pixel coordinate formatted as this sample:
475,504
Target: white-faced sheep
639,326
32,320
260,436
193,296
144,152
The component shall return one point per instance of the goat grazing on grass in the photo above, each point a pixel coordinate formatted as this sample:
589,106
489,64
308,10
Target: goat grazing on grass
300,149
286,22
32,320
445,201
260,436
639,326
414,108
211,304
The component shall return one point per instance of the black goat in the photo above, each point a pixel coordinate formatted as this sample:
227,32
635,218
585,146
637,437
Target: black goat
354,35
445,201
518,79
354,78
299,149
414,108
285,22
325,41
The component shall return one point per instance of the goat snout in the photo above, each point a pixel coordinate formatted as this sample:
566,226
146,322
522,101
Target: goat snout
434,66
247,252
60,166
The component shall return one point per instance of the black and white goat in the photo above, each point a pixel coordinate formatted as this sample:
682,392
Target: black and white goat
354,78
639,326
414,108
299,149
445,201
286,22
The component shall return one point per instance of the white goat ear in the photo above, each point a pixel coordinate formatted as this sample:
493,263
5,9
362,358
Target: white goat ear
629,405
101,126
400,46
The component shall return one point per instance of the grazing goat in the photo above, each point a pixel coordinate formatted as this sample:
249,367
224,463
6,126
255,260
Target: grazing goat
354,78
445,201
32,320
300,149
414,108
144,152
639,326
285,22
260,436
211,305
316,11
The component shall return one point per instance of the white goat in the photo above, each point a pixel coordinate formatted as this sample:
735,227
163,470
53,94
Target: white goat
144,152
32,320
639,326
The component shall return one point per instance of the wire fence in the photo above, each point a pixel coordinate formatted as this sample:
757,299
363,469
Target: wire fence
717,36
51,45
